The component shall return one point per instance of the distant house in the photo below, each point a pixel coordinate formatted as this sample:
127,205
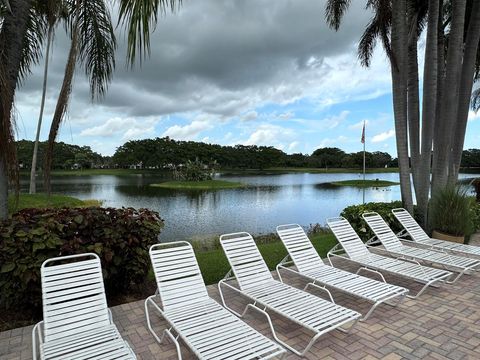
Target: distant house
137,166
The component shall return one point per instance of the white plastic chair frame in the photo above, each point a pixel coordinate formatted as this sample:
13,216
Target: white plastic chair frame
77,322
395,247
255,271
309,265
420,238
351,248
208,329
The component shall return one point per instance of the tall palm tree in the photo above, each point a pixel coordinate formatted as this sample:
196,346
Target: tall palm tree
448,105
18,53
21,36
52,11
471,59
93,44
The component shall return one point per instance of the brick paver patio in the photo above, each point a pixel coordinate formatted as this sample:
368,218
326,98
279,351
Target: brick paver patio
444,323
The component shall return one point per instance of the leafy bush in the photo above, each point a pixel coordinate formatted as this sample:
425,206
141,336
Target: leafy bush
354,213
475,210
450,212
195,171
120,237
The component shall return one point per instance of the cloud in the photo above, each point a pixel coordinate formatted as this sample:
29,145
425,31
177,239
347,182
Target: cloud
293,146
359,125
472,115
336,142
270,135
251,115
188,132
336,120
383,136
286,115
127,128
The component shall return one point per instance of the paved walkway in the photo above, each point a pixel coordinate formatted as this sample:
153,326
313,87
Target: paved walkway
444,323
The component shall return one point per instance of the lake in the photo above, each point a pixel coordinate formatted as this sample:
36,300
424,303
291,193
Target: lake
266,201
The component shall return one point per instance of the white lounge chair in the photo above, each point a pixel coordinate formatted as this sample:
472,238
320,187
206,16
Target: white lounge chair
393,246
208,329
77,323
420,237
256,283
309,265
357,252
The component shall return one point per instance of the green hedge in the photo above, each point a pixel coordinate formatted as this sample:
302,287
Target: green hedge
354,213
120,237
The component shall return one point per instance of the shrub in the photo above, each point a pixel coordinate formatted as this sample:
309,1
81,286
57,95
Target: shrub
475,214
450,212
354,213
120,237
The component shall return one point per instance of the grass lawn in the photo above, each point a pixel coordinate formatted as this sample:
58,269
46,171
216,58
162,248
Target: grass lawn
365,183
214,264
199,185
42,201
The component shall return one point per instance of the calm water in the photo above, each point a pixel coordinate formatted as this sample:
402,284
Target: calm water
267,201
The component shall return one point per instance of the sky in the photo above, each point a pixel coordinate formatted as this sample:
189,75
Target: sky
232,72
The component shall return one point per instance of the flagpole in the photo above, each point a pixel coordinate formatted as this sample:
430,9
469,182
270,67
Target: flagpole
363,187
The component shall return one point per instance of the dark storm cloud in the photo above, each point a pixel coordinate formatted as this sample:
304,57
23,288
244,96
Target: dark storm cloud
215,57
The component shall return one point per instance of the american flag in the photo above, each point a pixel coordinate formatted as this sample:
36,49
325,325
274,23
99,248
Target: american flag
363,133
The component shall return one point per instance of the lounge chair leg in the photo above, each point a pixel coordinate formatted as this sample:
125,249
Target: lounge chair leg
274,334
165,331
456,277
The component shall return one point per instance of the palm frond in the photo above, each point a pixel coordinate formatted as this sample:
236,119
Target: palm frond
334,11
96,45
140,18
379,27
367,42
475,104
37,27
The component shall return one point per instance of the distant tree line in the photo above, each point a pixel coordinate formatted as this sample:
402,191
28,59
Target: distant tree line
66,156
165,153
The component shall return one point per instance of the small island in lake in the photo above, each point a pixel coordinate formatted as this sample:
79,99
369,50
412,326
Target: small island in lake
199,185
365,183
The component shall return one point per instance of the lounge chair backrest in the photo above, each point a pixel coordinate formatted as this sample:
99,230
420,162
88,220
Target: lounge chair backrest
383,232
178,276
348,238
408,222
299,247
73,296
245,259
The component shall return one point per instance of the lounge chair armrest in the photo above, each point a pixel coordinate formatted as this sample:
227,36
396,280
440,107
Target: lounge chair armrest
321,288
282,266
37,335
372,271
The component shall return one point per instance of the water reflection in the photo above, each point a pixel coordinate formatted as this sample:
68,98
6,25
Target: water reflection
266,201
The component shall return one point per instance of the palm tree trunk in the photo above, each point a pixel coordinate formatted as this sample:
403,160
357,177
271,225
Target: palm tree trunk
399,89
3,191
465,90
430,79
33,170
12,33
447,120
413,104
62,104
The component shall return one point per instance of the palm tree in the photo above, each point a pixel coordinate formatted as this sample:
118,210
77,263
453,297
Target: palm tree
448,105
21,36
53,9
